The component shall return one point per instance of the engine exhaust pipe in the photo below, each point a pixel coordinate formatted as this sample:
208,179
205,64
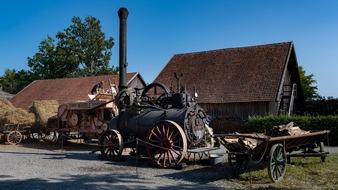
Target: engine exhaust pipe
123,14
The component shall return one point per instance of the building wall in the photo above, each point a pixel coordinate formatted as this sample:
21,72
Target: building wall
240,110
136,82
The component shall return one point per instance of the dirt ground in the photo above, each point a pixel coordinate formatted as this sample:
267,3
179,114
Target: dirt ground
45,165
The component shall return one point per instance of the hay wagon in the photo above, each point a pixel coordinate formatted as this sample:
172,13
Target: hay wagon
276,151
14,133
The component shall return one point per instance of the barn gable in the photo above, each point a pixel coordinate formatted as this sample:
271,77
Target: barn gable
68,89
248,80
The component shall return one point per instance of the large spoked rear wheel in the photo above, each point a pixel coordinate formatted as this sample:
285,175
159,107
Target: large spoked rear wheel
166,144
238,163
111,145
277,163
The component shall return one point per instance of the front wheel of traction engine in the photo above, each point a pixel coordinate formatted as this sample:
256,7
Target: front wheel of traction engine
166,144
111,144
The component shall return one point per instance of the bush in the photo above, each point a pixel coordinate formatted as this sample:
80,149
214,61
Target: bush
260,124
322,107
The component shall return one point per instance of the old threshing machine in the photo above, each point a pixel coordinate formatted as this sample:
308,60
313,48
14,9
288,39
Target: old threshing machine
155,122
86,120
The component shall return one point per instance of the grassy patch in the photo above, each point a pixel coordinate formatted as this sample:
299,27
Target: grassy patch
302,173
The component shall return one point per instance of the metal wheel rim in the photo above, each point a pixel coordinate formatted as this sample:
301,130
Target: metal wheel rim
14,137
111,144
166,144
277,163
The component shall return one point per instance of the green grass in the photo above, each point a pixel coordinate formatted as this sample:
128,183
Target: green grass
302,173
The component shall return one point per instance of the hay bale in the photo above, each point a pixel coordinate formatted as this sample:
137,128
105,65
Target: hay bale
11,115
44,109
5,102
4,106
17,116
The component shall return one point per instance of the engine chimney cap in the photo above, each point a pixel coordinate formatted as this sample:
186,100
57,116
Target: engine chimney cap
123,13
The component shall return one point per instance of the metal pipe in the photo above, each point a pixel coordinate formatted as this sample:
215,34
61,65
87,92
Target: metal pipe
123,14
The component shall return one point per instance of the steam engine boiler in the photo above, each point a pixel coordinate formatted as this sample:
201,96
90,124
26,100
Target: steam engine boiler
157,122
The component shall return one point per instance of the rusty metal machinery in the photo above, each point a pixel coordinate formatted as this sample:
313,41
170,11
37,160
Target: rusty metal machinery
168,124
86,120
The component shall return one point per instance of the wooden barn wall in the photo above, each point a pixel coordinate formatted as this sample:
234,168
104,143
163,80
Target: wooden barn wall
136,82
240,110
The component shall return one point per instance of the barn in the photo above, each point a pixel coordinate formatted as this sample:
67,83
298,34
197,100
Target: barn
240,82
68,90
5,95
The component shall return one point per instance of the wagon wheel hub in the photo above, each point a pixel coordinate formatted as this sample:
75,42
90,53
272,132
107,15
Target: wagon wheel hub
167,143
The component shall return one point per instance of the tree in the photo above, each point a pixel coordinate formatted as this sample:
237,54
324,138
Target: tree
50,62
308,85
81,50
13,81
8,83
83,44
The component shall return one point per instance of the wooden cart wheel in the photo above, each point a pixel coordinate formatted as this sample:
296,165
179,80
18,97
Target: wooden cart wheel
111,144
322,150
238,163
14,137
166,144
277,162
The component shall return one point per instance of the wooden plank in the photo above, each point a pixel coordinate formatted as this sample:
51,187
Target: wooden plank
204,149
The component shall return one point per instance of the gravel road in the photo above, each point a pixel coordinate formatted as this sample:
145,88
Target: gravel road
39,165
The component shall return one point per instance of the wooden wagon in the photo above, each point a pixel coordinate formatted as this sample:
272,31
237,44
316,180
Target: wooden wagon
276,151
14,133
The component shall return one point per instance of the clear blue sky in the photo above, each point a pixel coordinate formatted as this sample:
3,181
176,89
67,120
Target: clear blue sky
158,29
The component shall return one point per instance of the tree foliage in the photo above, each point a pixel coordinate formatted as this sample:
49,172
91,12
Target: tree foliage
13,81
83,45
308,85
79,50
49,62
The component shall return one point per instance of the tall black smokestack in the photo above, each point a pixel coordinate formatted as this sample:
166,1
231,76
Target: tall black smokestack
123,14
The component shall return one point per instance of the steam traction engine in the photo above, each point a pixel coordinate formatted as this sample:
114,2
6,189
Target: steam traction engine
169,126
